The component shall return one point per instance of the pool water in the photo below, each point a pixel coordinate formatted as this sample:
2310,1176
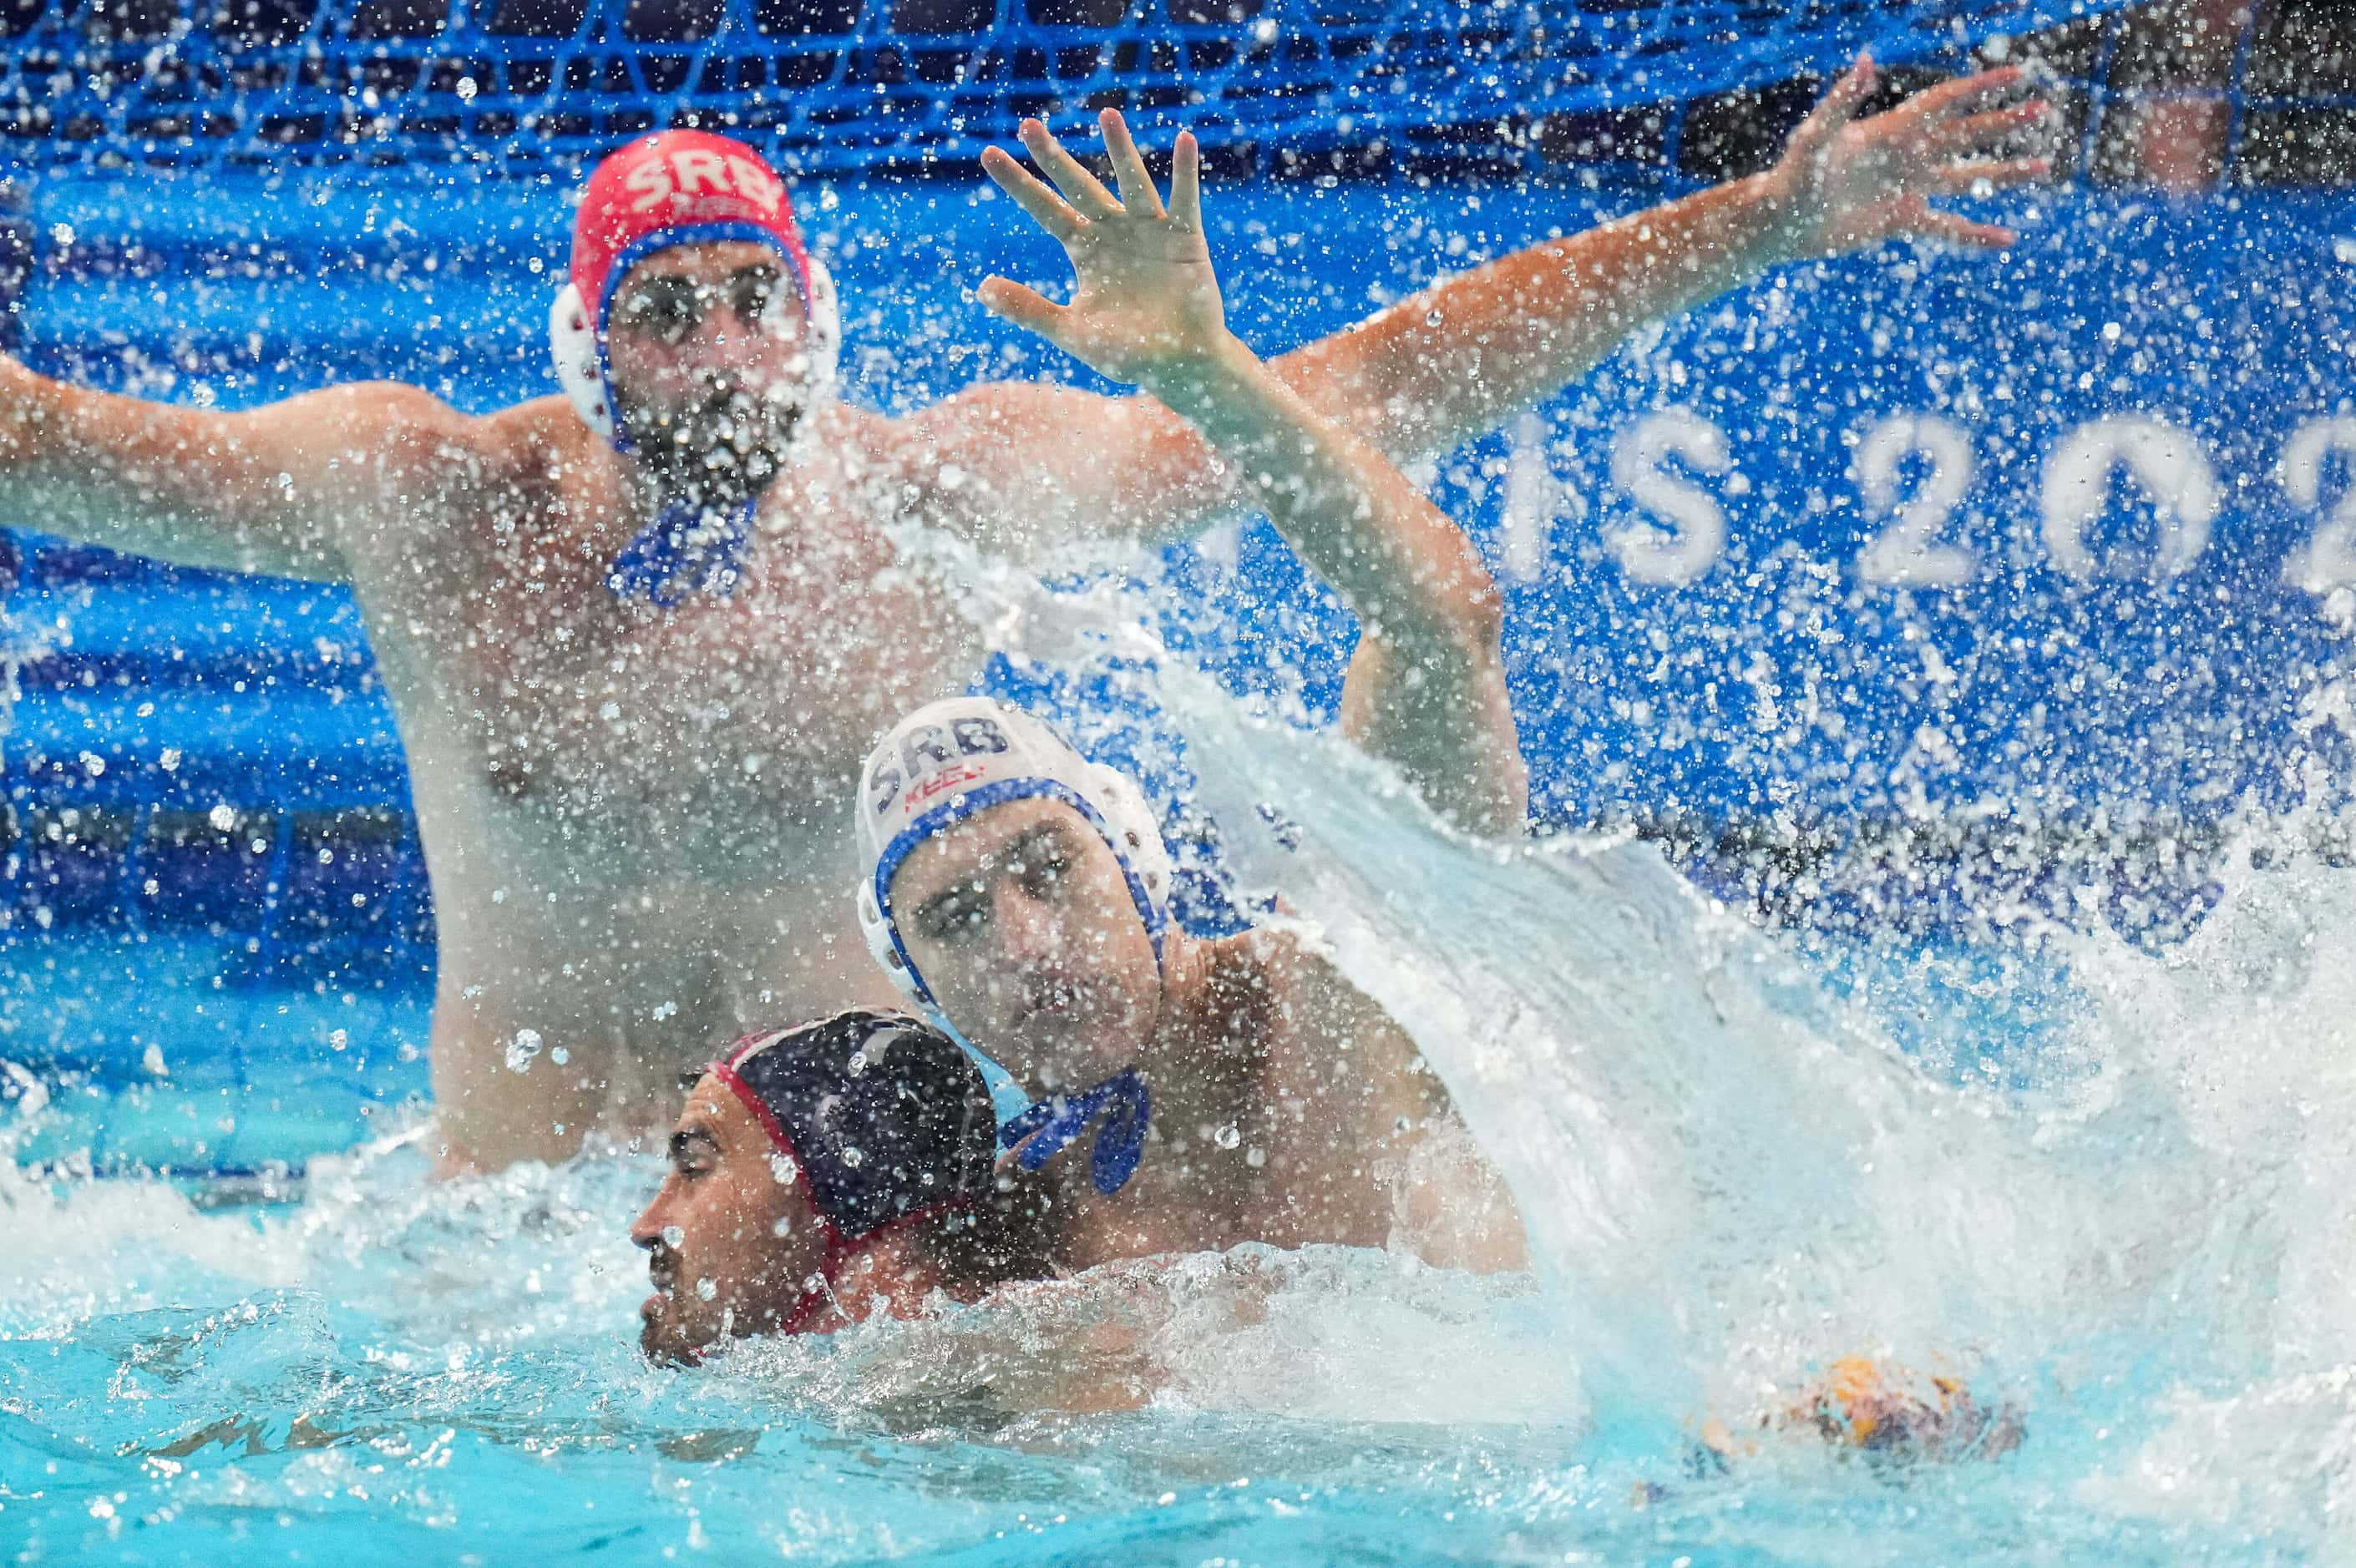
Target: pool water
2060,1190
2106,1184
387,1372
147,1064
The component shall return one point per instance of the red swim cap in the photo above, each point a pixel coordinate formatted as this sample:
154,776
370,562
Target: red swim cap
678,187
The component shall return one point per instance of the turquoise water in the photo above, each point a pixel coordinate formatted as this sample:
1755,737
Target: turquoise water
2108,1187
384,1373
1733,1177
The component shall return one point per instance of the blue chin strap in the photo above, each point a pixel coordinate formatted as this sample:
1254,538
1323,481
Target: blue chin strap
689,549
1055,1124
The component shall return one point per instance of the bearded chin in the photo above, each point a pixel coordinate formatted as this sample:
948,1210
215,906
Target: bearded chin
719,453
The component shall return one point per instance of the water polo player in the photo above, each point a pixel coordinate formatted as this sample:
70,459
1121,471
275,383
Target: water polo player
820,1171
1021,893
638,635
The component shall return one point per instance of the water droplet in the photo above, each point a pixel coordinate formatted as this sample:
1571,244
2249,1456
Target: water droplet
783,1167
784,1227
851,1156
672,1235
522,1049
1227,1136
559,1056
705,1290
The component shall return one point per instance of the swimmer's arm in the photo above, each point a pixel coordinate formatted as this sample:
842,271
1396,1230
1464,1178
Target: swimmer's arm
1426,687
1021,468
1146,309
1461,357
1450,1205
271,489
1029,466
1458,359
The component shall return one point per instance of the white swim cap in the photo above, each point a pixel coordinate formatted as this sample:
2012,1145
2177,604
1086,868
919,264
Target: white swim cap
951,759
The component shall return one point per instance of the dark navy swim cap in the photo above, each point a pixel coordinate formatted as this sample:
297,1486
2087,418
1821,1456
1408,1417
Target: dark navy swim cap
886,1117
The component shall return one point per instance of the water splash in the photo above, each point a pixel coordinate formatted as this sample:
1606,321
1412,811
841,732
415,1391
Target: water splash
1734,1163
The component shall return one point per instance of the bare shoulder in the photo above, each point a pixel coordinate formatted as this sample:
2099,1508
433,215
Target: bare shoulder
1022,468
1319,1015
996,410
439,471
972,462
879,442
998,431
1296,975
387,415
1307,1001
404,436
544,433
540,459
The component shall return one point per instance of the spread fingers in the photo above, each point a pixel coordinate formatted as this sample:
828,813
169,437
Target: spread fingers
1030,193
1136,192
1082,189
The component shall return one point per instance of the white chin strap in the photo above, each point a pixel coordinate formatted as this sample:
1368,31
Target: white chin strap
581,370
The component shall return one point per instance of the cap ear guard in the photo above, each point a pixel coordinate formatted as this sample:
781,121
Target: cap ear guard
573,343
581,365
1123,807
881,945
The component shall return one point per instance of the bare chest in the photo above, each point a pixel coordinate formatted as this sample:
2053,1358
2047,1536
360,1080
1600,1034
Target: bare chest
551,695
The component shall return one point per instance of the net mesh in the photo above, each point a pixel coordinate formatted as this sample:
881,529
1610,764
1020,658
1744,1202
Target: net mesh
846,85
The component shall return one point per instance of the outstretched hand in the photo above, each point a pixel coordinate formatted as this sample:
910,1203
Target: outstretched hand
1145,302
1852,182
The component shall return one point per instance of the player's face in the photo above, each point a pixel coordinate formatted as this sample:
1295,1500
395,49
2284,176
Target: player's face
732,1241
708,348
1021,921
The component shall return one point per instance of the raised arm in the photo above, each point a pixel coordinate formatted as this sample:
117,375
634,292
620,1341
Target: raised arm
1460,357
1427,688
265,490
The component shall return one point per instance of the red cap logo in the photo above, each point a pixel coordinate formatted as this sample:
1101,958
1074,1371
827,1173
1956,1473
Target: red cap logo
678,187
